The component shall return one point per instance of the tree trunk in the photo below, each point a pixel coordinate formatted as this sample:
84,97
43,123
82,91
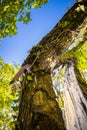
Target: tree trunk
47,53
75,105
39,109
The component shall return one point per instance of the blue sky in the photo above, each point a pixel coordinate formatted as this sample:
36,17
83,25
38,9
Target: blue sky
14,49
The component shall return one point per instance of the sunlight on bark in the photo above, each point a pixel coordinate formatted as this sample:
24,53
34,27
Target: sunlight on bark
75,105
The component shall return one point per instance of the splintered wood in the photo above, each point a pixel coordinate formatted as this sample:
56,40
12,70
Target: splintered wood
75,105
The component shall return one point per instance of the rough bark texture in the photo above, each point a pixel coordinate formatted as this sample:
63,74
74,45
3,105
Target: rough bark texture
39,109
75,104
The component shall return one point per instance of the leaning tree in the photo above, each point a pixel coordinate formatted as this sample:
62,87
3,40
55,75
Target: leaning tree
39,109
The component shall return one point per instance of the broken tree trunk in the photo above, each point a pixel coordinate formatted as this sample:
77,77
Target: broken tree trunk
39,109
75,105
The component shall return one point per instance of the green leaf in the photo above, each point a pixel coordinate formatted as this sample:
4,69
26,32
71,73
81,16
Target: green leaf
29,77
7,96
14,11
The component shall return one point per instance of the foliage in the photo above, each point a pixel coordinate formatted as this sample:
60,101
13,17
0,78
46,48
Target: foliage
80,54
64,24
12,11
7,97
59,85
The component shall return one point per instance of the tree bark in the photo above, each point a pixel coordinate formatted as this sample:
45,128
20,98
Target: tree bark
75,105
47,53
39,109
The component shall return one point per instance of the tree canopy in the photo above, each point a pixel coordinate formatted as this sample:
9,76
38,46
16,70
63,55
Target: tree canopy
12,11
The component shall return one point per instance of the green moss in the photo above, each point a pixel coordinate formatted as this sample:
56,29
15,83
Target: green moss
64,24
29,77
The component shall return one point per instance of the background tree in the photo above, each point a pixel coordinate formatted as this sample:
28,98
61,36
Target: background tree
13,11
8,98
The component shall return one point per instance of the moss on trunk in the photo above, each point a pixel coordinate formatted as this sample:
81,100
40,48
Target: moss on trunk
47,53
39,109
82,82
